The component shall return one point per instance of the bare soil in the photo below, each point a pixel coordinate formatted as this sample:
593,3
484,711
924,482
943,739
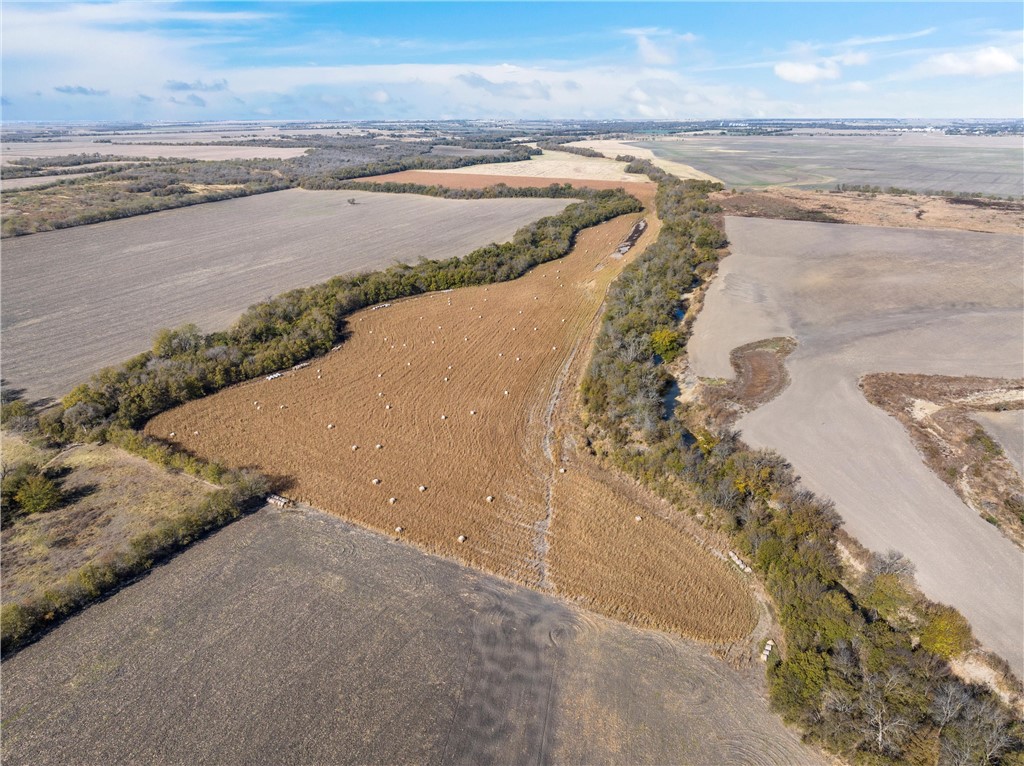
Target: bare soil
861,300
293,638
939,412
458,389
902,210
760,376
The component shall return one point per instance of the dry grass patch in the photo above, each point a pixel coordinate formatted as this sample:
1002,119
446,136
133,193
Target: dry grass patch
433,422
637,185
110,497
911,211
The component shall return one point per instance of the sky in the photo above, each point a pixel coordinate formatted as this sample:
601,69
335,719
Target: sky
185,61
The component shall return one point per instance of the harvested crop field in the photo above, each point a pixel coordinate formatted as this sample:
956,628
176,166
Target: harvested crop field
966,164
80,299
635,186
864,300
25,149
435,420
291,637
562,166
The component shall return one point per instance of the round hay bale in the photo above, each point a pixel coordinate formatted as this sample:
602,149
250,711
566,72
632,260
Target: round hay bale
387,406
392,500
490,498
399,530
379,446
462,538
330,426
471,412
172,434
423,488
561,470
638,518
375,482
444,417
355,447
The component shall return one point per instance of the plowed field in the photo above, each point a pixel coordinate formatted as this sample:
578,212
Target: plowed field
437,417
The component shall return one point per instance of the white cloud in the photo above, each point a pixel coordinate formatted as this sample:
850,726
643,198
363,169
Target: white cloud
657,46
380,96
794,71
853,58
983,62
855,41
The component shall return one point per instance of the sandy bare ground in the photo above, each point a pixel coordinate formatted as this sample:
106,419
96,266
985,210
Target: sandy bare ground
457,389
636,185
19,150
554,165
79,299
293,638
1007,428
612,149
861,300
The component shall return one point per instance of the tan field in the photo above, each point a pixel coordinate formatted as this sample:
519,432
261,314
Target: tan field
562,166
436,420
637,185
612,149
860,300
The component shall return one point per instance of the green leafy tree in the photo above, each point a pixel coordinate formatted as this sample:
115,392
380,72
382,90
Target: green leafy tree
947,633
666,343
38,494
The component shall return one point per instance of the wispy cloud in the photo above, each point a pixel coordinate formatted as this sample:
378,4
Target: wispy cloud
518,90
197,85
802,73
657,46
880,39
80,90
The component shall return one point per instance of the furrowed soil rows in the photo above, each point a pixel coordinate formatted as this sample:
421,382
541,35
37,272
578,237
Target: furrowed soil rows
79,299
431,423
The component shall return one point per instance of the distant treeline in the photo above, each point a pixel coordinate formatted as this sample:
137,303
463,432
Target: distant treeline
185,364
863,668
582,151
146,187
497,191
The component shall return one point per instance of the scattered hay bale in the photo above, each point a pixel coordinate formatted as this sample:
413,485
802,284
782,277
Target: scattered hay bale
392,500
638,518
490,498
355,447
379,446
444,417
471,412
462,538
172,434
561,470
387,406
375,482
399,530
423,488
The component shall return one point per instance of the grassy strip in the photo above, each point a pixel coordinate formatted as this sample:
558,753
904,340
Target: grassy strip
24,621
185,364
865,670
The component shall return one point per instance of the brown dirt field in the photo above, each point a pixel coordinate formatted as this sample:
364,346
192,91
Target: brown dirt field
937,411
468,181
460,391
114,496
907,211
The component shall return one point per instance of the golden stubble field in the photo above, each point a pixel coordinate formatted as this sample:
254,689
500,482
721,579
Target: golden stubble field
436,420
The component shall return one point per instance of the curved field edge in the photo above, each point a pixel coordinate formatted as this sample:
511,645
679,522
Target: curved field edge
863,663
430,424
186,364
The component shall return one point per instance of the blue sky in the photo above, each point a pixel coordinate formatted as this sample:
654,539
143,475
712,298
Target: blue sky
336,60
